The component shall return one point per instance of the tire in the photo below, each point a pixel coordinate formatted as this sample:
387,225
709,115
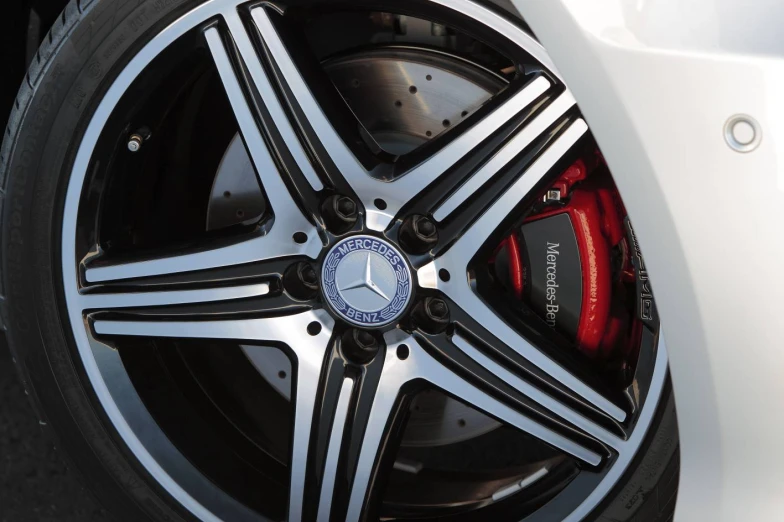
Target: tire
648,491
87,46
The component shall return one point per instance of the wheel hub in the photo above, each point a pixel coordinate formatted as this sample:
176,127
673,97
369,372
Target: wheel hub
366,281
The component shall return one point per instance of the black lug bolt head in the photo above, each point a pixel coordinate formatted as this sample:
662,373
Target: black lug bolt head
339,213
307,275
346,207
364,339
418,234
436,309
359,346
431,315
424,228
301,280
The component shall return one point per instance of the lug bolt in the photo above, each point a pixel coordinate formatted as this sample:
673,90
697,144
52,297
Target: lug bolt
436,309
301,280
359,346
346,207
432,315
424,228
418,234
135,142
307,275
339,213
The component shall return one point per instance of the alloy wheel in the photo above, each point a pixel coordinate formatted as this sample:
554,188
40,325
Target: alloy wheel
292,281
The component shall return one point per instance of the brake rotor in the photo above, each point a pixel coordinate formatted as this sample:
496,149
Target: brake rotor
403,97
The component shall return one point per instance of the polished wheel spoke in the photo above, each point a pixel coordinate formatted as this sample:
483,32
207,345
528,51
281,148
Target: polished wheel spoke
480,344
456,262
522,155
473,155
255,287
528,135
508,337
288,329
309,113
399,189
528,391
278,119
168,297
478,223
453,384
353,410
418,366
257,248
266,169
284,207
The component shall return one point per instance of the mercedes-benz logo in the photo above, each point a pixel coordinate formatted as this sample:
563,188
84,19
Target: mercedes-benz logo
366,281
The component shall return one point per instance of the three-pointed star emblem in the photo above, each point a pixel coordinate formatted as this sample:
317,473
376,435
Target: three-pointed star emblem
366,281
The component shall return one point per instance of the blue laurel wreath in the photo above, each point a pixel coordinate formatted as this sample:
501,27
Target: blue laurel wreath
331,290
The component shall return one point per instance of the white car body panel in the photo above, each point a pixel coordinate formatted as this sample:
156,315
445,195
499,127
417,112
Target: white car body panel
657,80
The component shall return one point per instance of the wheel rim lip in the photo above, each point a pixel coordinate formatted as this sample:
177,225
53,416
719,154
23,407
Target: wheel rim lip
214,508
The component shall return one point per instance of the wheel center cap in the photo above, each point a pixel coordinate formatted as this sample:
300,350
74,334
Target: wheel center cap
366,281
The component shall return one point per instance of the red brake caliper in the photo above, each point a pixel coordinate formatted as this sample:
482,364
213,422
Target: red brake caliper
570,262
